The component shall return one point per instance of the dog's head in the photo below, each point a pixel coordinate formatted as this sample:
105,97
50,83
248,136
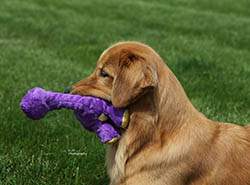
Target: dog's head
124,73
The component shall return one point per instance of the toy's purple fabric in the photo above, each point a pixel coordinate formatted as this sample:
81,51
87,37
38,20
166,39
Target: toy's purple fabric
92,112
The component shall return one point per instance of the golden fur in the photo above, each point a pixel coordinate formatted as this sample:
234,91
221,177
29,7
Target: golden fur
168,142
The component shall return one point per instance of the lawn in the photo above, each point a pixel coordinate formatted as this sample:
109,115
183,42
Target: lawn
53,44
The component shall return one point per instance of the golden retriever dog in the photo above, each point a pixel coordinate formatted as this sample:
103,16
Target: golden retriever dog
167,141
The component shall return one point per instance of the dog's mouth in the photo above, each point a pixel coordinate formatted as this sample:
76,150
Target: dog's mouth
80,91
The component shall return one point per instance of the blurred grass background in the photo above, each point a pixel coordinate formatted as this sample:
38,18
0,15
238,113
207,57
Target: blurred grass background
53,44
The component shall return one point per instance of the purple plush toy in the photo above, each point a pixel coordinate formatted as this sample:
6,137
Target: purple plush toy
93,113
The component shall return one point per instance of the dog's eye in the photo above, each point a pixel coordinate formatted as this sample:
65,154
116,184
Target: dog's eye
103,74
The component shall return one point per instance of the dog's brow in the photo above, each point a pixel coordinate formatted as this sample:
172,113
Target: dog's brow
107,64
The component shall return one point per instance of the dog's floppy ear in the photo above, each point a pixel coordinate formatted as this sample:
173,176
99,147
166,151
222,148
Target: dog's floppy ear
134,79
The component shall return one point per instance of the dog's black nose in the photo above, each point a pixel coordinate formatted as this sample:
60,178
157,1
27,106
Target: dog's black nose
67,90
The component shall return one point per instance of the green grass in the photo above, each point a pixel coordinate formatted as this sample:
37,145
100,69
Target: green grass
53,44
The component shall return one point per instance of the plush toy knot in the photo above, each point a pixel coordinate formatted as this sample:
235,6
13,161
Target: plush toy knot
34,104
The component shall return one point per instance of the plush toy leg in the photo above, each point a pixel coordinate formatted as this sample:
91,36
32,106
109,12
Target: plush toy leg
107,133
